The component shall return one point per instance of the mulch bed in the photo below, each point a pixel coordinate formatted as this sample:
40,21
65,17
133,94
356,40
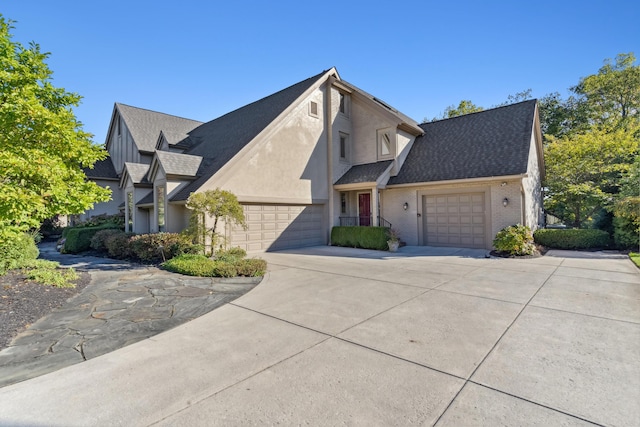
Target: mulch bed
23,303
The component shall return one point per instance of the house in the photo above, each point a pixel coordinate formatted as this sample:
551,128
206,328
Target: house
323,153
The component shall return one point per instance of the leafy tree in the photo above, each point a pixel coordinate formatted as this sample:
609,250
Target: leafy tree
627,208
42,145
612,96
584,171
464,107
218,205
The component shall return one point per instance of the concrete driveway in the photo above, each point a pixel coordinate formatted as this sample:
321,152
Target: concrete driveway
343,336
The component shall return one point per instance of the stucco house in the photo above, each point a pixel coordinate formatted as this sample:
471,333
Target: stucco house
323,153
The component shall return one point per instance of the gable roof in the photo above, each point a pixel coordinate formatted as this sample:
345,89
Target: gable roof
221,139
102,169
177,163
488,143
369,172
145,126
137,172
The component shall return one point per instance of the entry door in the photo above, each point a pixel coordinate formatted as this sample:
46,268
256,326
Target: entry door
364,209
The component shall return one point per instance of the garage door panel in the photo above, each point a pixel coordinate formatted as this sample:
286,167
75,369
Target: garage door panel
454,220
275,227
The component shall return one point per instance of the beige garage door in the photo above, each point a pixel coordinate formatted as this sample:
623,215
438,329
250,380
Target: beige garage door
454,220
276,227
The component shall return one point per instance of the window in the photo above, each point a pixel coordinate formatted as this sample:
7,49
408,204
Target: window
344,146
313,109
344,104
385,143
130,211
343,203
160,198
118,125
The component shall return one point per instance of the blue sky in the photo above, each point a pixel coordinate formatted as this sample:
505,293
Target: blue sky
202,59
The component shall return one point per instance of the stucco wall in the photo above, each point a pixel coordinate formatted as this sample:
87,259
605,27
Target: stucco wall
110,207
366,122
286,165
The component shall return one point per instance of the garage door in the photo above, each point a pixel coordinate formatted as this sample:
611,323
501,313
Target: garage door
454,220
276,227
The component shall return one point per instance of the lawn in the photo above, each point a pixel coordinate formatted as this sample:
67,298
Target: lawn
635,257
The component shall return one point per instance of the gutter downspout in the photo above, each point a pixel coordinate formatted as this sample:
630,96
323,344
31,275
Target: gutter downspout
329,130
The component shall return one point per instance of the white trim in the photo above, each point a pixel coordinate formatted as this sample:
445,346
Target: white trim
460,181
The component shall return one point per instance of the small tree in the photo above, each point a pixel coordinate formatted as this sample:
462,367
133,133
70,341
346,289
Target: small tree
217,204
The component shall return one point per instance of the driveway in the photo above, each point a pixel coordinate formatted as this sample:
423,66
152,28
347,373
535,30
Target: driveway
345,336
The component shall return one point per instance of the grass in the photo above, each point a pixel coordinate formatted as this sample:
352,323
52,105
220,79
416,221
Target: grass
635,257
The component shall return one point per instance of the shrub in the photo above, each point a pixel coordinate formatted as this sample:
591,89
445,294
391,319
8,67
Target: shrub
16,249
119,245
515,240
78,239
152,247
253,267
98,241
225,269
191,265
360,237
572,238
231,254
625,234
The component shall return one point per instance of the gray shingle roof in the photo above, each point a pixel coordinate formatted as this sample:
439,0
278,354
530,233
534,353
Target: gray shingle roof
369,172
179,164
219,140
489,143
146,200
102,169
137,172
145,126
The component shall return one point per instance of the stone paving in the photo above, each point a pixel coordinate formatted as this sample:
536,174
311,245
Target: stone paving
123,304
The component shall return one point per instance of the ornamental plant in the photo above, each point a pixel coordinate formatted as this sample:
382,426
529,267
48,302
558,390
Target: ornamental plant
515,240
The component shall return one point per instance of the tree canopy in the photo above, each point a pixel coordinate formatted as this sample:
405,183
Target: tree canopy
43,148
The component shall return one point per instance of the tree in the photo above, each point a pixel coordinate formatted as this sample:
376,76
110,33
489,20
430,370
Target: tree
612,96
584,171
218,205
627,208
43,148
464,107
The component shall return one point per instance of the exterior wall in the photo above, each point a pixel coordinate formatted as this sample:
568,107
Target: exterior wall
366,123
141,223
409,222
109,208
405,142
341,123
532,188
121,147
288,165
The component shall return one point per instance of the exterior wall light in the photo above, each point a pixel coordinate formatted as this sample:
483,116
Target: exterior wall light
505,202
405,206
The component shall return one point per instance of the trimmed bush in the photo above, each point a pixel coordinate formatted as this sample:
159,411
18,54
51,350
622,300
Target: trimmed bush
152,247
225,269
231,255
98,241
360,237
191,265
572,238
625,234
16,249
119,245
78,239
252,267
515,240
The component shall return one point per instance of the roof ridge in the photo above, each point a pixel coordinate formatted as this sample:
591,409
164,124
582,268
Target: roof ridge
482,111
157,112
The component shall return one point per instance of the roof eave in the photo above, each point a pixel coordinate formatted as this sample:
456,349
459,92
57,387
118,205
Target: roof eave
460,181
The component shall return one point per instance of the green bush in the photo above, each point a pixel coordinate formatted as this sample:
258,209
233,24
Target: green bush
572,238
119,245
515,240
625,234
252,267
360,237
78,239
225,269
99,240
231,255
152,247
16,249
191,265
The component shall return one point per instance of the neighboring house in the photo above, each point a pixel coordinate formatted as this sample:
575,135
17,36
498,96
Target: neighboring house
323,153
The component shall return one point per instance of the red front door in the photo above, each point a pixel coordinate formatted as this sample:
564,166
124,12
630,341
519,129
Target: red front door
364,209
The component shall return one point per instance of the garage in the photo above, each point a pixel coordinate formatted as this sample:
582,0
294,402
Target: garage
273,227
454,220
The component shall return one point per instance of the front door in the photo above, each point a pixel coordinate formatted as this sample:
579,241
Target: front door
364,209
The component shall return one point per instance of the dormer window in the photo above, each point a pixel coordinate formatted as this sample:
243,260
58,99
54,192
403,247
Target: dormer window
385,144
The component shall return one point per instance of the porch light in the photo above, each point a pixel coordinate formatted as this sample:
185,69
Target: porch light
505,202
405,206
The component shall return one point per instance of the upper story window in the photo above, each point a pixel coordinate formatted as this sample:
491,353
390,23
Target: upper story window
343,107
385,143
313,109
344,146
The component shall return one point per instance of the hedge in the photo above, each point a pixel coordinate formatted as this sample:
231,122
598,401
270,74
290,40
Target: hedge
16,249
360,237
572,238
78,239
